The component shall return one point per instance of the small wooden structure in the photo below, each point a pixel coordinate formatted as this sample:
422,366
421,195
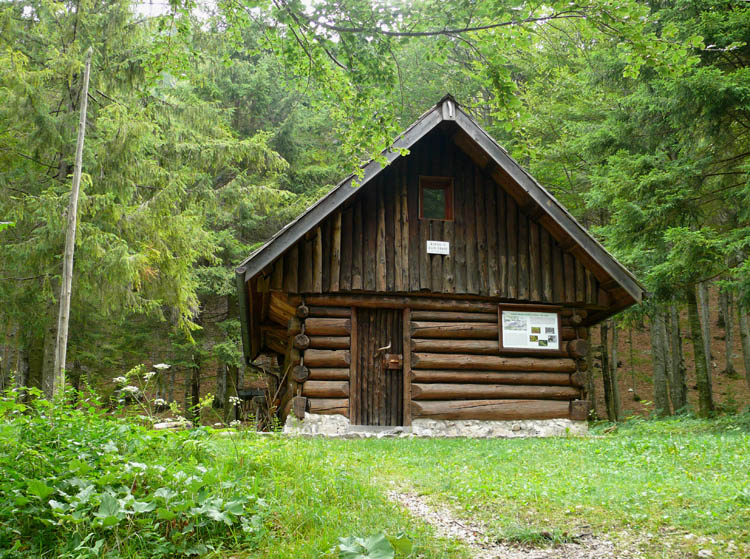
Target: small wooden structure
447,285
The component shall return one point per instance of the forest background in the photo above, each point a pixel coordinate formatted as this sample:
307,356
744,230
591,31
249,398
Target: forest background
211,125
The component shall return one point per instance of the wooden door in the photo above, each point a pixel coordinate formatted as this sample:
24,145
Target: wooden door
378,391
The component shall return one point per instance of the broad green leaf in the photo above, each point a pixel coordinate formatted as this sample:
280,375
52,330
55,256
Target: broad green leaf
39,489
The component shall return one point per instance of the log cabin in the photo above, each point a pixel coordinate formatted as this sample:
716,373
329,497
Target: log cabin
445,286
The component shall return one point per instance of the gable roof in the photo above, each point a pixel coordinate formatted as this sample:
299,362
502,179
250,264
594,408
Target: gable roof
446,110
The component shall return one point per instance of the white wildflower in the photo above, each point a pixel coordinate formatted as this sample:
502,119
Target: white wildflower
160,402
148,376
162,366
131,389
119,380
235,423
235,401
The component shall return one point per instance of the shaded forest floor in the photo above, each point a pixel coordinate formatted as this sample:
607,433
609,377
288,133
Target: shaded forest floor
635,373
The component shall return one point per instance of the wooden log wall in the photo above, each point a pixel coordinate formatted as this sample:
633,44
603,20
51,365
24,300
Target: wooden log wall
458,372
324,364
452,364
377,243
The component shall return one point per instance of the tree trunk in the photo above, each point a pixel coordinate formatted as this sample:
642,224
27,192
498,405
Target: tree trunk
721,320
606,372
702,371
729,370
705,321
613,372
677,383
66,287
195,390
590,384
231,411
221,387
745,337
658,353
48,359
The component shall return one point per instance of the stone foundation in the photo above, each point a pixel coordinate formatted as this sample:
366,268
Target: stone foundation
339,426
477,428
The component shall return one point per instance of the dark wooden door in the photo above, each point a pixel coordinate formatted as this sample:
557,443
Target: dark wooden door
378,397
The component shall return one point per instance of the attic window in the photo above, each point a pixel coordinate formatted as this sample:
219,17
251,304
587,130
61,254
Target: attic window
436,198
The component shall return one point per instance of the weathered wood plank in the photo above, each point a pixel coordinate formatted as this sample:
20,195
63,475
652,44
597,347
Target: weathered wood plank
569,276
306,268
398,259
502,243
330,342
389,206
336,252
490,206
406,325
405,228
414,223
491,377
491,409
277,276
380,254
357,246
329,312
470,234
327,358
328,406
491,363
443,345
511,222
480,220
291,265
371,257
399,302
318,261
546,265
436,260
318,373
459,227
326,389
558,275
580,283
457,330
346,257
442,391
448,316
535,259
523,256
328,326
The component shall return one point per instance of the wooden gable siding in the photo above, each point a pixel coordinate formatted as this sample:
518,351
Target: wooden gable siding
377,243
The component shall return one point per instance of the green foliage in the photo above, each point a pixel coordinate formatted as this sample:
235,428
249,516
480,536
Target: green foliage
81,485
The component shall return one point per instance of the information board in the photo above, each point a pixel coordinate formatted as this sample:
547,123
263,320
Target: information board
529,330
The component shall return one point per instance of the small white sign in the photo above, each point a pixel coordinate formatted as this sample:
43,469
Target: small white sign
438,247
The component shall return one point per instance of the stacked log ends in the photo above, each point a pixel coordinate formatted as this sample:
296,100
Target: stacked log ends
578,348
299,406
578,379
301,341
579,410
300,373
303,311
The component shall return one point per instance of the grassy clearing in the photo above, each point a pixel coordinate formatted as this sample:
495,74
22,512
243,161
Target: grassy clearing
78,484
673,486
75,483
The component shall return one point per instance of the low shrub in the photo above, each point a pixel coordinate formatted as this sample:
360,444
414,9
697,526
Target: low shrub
78,484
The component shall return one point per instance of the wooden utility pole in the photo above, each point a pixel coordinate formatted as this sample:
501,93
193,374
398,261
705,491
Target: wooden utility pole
63,318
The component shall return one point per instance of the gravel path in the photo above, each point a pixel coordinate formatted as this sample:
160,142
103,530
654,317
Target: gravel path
483,546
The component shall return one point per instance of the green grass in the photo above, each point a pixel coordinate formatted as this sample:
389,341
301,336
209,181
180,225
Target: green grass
683,482
77,484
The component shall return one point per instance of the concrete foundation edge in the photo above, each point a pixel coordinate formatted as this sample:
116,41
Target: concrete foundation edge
339,426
